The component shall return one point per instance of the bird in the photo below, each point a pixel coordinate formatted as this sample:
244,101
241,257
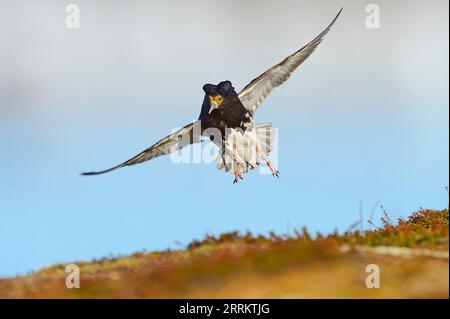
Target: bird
227,119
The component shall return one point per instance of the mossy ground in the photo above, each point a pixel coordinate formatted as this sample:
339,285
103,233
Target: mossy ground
275,266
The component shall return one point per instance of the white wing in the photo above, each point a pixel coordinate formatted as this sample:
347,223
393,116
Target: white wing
258,89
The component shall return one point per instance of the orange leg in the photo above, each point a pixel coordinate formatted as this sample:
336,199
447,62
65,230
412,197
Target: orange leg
273,169
239,162
237,173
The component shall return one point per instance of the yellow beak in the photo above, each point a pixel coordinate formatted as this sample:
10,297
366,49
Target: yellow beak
215,102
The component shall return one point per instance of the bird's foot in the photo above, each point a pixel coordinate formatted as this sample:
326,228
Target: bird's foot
273,169
237,174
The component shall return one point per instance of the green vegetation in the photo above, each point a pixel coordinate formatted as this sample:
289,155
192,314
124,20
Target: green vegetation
425,228
245,265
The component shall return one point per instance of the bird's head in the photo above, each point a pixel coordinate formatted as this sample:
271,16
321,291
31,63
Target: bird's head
217,94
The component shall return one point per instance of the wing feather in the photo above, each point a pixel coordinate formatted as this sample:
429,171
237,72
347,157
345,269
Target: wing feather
259,88
168,144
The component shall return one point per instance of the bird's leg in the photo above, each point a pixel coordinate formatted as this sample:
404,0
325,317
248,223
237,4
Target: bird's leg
237,173
258,148
223,154
239,163
273,169
237,158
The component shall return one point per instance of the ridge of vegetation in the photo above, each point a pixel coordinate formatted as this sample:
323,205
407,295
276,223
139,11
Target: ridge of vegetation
214,265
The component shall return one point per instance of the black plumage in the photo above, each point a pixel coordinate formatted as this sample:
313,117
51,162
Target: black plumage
230,114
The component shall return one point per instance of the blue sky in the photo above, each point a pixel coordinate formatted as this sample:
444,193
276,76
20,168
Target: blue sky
364,119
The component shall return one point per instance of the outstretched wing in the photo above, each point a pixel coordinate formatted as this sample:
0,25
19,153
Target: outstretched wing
258,89
175,141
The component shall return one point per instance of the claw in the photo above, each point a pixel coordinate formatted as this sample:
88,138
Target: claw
237,174
236,178
273,169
